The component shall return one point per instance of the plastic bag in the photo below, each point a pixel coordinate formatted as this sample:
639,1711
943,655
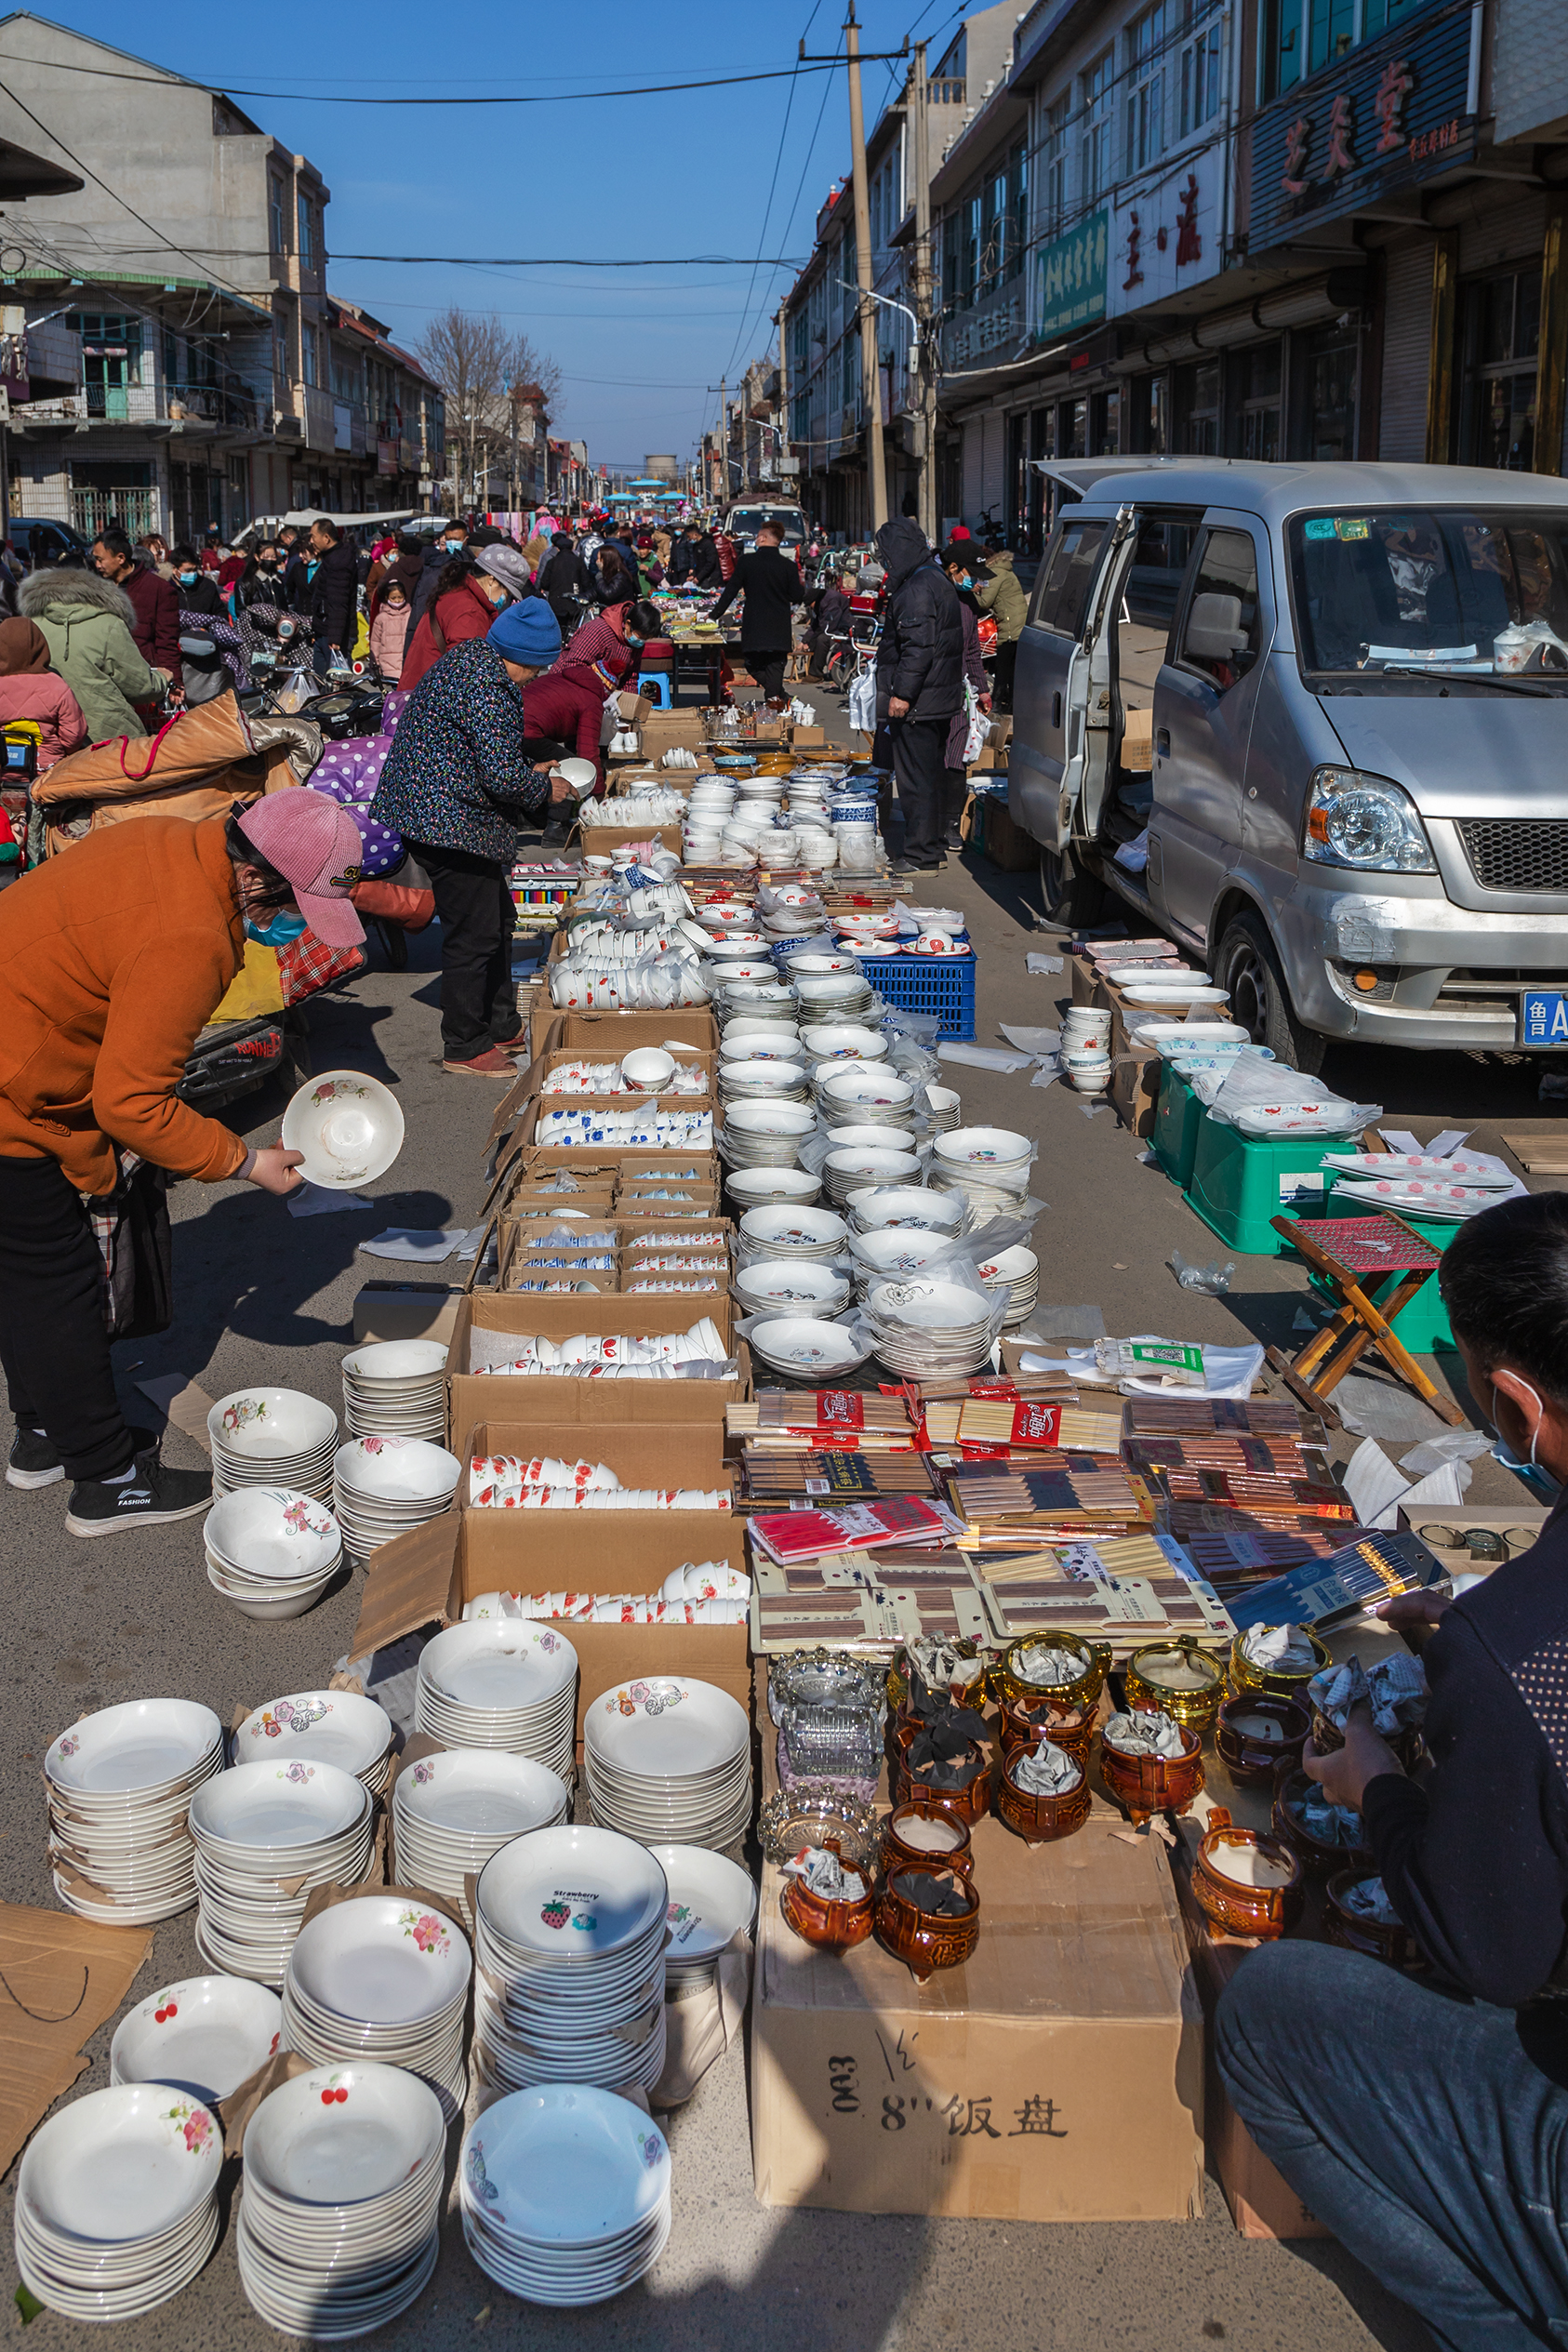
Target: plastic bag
1212,1279
1263,1098
863,703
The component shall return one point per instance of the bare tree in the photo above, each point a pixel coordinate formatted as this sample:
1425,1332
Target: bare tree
480,365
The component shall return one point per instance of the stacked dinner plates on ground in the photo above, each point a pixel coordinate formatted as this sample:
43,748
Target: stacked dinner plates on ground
764,1134
267,1835
833,997
870,1093
569,1941
330,1727
117,2201
893,1253
989,1165
1016,1272
773,1286
712,1900
502,1682
565,2194
451,1813
858,1167
760,1188
929,1328
273,1436
781,1231
339,2223
396,1388
385,1486
204,2036
120,1785
271,1550
669,1760
382,1978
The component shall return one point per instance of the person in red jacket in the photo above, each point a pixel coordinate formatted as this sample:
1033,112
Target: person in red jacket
561,716
156,626
464,605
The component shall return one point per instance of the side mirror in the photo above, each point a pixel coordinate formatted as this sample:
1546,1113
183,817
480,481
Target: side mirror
1214,627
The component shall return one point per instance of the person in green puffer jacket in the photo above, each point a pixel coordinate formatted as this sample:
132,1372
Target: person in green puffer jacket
1002,596
86,623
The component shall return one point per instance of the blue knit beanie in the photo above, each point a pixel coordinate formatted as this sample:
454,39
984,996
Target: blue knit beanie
527,632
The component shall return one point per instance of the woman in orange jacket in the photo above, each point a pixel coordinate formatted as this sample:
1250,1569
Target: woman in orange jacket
113,957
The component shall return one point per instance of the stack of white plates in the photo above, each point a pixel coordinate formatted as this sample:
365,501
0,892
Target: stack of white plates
260,1828
909,1207
331,1727
844,1041
340,2220
989,1165
750,1041
396,1389
856,1168
503,1682
870,1093
807,1348
120,1785
668,1761
450,1813
1016,1271
204,2036
117,2201
928,1328
757,1187
775,1026
273,1436
764,1134
801,1235
569,1941
893,1253
711,1901
382,1488
768,1079
565,2194
833,996
271,1550
943,1109
775,1286
382,1978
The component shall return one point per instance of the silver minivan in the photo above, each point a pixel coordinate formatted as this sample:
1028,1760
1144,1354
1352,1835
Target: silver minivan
1311,721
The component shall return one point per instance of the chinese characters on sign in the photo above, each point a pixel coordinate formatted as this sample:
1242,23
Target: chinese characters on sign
1072,273
1165,234
1031,2116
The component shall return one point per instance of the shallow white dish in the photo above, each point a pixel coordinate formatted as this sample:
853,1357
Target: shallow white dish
119,1759
260,1425
121,2164
272,1533
335,1727
203,2036
799,1345
348,1125
570,1893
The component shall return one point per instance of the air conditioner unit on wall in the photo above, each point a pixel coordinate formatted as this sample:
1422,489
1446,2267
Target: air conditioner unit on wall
288,427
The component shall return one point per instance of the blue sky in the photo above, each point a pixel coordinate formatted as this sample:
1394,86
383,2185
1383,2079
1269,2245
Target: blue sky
633,176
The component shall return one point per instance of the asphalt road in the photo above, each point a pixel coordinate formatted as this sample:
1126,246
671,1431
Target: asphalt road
265,1298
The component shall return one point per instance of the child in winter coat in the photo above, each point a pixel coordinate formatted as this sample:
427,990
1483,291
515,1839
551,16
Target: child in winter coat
389,631
30,689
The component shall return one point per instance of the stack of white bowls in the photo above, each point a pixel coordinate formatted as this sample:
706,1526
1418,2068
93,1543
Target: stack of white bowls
340,2224
989,1165
330,1727
844,1041
766,1044
450,1813
273,1436
870,1093
762,1188
503,1682
204,2036
909,1206
856,1168
669,1760
565,2194
817,957
262,1829
777,1024
893,1253
1016,1272
767,1078
844,1133
834,996
117,2201
929,1329
712,1900
773,1286
120,1785
764,1134
801,1236
382,1488
943,1109
396,1388
271,1550
802,1349
382,1978
569,1940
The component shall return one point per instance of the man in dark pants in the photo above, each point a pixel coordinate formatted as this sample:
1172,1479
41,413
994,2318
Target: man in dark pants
1427,2123
334,591
772,585
920,685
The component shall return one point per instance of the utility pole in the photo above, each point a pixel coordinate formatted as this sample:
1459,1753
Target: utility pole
870,369
783,397
923,290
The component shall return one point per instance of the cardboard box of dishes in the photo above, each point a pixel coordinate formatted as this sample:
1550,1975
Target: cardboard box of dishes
492,1330
496,1553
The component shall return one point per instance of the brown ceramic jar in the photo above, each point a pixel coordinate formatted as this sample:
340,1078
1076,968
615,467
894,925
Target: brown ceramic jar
1250,1756
969,1804
1146,1785
1024,1721
1039,1819
1234,1901
919,1837
1393,1944
1288,1791
834,1925
925,1941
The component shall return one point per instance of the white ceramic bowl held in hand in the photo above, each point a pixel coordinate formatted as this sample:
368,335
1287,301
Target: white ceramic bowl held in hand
348,1125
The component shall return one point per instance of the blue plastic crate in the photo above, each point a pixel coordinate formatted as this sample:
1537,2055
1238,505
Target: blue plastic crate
939,985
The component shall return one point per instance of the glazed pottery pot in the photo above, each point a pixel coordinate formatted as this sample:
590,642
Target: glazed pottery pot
1256,1733
1314,1852
1038,1819
919,1837
1146,1785
925,1941
1376,1938
971,1804
969,1694
1081,1690
1026,1720
1178,1679
1246,1881
1244,1676
818,1919
1405,1743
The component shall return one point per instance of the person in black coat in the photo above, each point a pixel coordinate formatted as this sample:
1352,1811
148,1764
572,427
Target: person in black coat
695,559
772,585
834,612
194,590
335,589
919,683
564,581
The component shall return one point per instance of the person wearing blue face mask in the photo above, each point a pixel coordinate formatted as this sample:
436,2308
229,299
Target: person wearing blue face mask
195,591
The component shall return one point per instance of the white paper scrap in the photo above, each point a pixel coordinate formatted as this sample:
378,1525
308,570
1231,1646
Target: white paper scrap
415,1246
317,1200
982,1057
1041,967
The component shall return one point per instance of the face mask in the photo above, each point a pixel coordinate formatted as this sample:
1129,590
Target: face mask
266,563
1540,1408
186,579
285,927
452,547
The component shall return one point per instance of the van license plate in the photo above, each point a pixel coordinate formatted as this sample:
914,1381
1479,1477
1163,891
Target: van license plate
1543,1017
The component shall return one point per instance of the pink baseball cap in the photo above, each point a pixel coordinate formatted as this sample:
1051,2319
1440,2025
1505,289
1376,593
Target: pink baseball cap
315,845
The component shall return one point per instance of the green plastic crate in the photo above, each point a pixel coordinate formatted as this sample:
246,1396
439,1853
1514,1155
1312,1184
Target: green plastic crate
1240,1182
1423,1326
1177,1116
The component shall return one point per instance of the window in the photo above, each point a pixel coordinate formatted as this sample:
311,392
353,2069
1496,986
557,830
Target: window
1052,169
1333,30
1299,36
274,214
308,352
307,240
1017,207
1197,401
1146,88
1374,588
1256,433
1105,424
1095,143
1067,576
1199,70
1501,339
1220,634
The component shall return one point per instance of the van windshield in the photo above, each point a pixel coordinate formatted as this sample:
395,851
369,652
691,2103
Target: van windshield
1457,591
746,521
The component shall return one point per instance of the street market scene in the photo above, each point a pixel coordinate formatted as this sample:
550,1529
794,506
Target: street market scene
783,1236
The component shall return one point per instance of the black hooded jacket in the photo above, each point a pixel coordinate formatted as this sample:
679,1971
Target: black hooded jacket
921,658
696,560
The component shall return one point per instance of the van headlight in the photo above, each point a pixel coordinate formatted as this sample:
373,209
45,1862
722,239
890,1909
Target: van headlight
1363,821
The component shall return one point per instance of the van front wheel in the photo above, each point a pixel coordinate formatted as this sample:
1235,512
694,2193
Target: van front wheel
1070,895
1245,964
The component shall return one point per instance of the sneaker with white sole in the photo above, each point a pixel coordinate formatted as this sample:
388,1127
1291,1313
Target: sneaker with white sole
34,1461
150,1496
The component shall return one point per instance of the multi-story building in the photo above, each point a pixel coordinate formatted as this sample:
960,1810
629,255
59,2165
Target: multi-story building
186,363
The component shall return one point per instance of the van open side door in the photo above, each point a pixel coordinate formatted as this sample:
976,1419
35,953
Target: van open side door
1061,698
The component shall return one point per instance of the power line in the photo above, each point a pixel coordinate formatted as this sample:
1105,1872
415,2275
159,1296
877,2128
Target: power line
495,98
575,262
